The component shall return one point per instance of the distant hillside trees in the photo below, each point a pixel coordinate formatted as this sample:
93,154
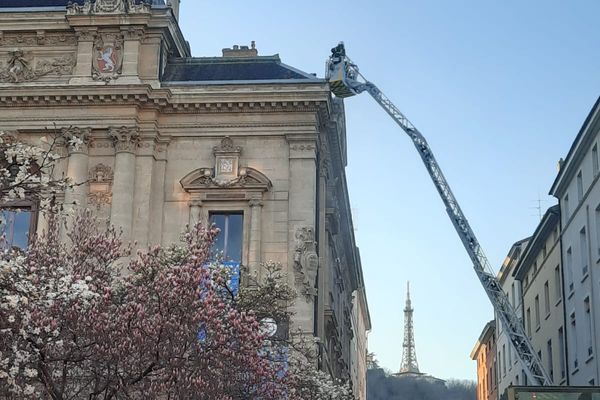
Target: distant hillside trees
384,386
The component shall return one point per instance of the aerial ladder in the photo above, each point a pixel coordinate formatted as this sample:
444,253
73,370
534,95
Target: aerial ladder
345,80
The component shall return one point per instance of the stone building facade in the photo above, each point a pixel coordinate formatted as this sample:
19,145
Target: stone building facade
243,140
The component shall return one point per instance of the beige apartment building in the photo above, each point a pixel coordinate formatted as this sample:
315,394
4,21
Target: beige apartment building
241,140
578,192
540,272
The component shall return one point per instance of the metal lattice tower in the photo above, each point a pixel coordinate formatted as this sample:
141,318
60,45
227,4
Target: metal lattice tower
409,355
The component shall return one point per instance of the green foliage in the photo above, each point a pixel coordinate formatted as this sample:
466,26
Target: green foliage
383,386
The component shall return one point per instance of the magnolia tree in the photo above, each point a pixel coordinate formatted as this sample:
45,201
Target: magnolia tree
27,170
82,318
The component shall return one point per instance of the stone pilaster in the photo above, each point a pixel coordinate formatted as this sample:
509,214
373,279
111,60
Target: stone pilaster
323,245
125,140
195,212
85,52
254,253
302,194
131,54
77,167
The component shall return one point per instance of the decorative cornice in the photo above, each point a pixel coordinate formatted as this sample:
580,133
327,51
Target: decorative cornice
125,139
148,99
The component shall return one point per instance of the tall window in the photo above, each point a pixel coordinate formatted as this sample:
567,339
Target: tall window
537,312
584,251
557,292
15,225
547,298
579,187
528,322
512,295
597,221
561,352
566,207
574,340
588,325
550,360
228,242
503,359
569,269
595,160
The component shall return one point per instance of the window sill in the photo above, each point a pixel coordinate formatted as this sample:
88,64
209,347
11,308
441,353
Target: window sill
571,294
590,358
537,328
563,381
575,370
547,316
558,302
585,277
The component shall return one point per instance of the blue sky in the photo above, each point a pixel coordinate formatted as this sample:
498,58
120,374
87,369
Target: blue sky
499,89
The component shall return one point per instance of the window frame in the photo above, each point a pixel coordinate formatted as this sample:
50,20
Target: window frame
25,204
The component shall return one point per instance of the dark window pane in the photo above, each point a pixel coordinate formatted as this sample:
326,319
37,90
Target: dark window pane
234,238
15,226
228,242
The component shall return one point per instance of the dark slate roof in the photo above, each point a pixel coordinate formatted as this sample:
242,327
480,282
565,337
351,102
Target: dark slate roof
49,3
231,69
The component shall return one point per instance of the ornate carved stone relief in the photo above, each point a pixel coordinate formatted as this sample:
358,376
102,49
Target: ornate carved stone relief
107,62
83,134
100,180
306,261
40,38
110,7
21,68
125,139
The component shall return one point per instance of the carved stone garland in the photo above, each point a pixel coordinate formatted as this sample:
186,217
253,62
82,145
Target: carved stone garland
306,261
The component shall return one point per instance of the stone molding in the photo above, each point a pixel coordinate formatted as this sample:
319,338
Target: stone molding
125,139
21,68
202,179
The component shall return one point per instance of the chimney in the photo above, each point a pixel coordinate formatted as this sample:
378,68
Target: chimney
174,4
241,51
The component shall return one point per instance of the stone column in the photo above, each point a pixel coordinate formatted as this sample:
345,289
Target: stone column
195,212
125,140
77,168
254,253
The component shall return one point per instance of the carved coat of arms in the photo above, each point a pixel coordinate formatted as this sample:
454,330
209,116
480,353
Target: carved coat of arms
108,57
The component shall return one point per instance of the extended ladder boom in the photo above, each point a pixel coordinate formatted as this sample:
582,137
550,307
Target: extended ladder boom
345,80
